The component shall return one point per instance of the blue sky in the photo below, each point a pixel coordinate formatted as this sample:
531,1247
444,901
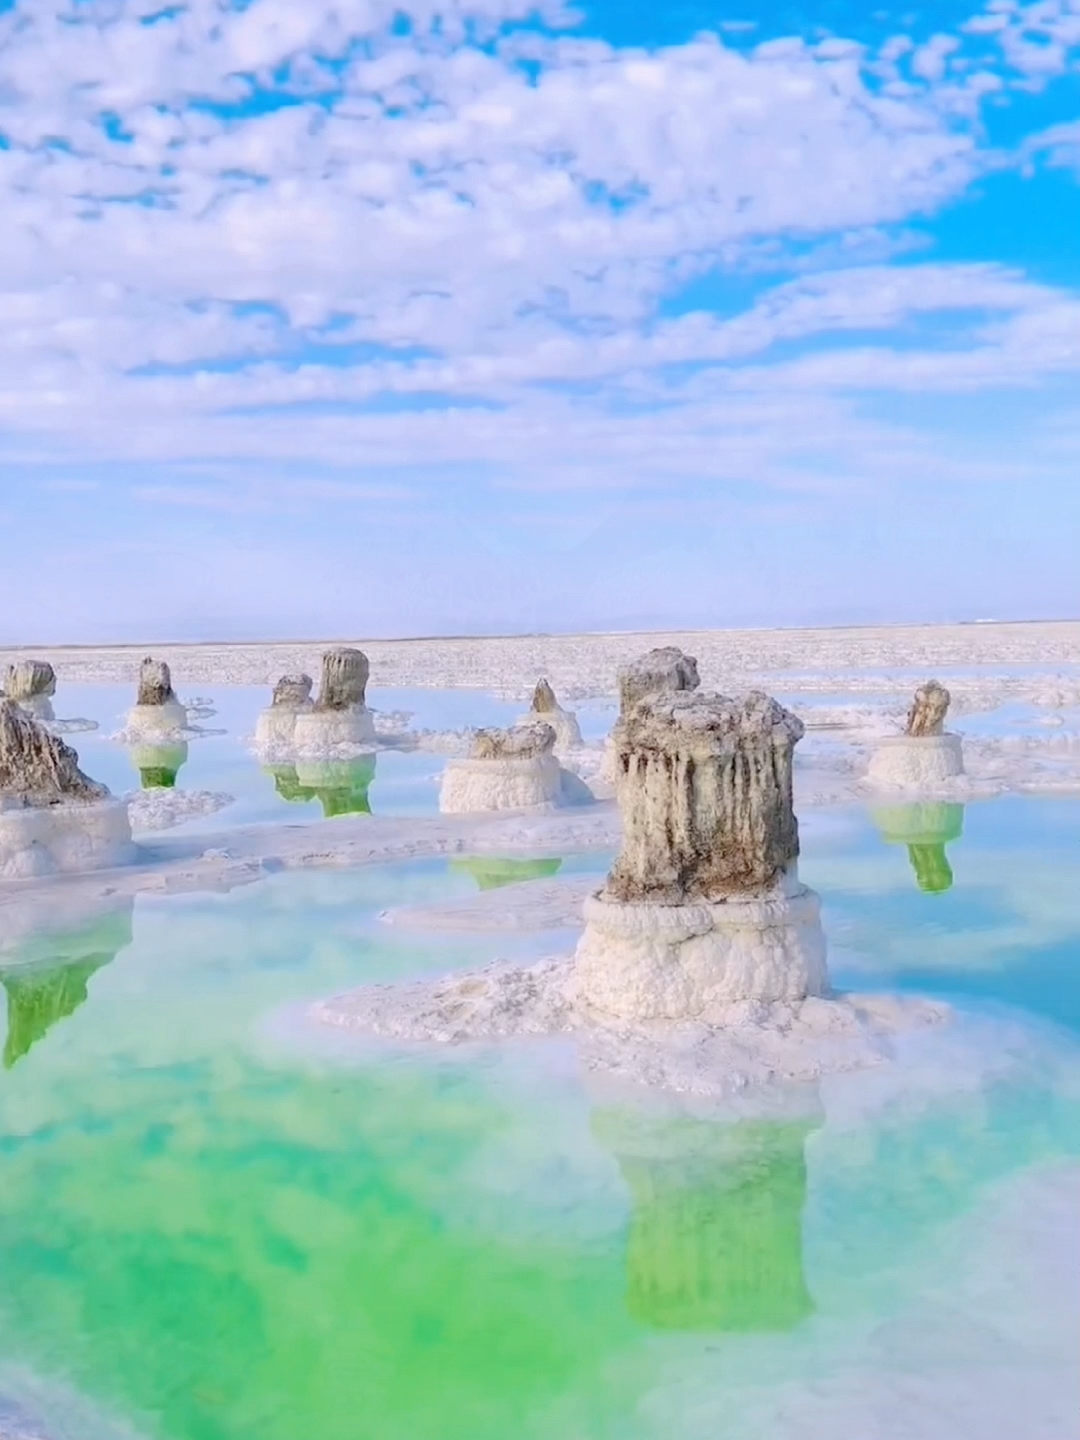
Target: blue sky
346,317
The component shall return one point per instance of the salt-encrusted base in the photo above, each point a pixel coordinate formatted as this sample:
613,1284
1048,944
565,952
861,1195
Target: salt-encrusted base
750,1044
155,720
63,839
641,961
275,729
565,725
473,786
916,762
318,731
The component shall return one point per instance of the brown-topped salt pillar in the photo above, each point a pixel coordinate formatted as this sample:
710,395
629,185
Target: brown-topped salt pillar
703,906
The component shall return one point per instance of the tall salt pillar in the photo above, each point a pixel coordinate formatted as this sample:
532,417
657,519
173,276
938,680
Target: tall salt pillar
703,906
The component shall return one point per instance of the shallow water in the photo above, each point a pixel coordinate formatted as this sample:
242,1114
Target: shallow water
219,759
212,1229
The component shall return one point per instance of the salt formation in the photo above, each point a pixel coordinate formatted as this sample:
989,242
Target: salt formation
157,711
159,765
703,906
925,830
665,670
52,816
701,968
32,684
340,715
926,755
513,769
546,709
276,726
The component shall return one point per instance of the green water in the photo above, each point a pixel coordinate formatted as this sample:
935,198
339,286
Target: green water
213,1231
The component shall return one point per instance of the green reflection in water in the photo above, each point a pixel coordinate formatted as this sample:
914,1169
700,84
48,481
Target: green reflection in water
159,765
46,979
490,874
925,829
715,1239
340,786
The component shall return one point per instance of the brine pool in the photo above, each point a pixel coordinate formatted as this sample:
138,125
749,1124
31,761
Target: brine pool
213,1227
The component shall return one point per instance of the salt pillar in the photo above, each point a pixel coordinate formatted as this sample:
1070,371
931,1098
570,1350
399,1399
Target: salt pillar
512,769
340,715
926,756
32,684
703,906
665,670
276,726
53,818
156,710
546,708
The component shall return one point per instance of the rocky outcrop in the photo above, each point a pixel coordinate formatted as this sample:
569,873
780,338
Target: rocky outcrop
344,680
292,692
927,758
155,683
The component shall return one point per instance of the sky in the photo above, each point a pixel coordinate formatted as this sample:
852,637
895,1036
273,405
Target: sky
347,318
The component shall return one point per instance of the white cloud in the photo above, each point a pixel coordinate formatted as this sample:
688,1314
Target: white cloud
177,257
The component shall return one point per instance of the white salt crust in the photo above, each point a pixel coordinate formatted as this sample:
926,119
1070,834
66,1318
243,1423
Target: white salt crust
321,732
156,722
64,839
916,762
275,728
563,722
693,961
472,787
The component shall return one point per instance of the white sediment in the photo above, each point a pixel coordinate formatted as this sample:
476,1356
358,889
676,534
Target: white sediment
64,838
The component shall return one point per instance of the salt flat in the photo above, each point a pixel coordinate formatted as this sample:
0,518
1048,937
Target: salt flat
582,666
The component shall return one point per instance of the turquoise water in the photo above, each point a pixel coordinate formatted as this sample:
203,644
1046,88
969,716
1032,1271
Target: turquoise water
389,783
211,1229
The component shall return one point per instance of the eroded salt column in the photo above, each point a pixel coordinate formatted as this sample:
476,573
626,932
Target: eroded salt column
703,906
52,816
546,708
926,756
665,670
513,769
32,684
156,711
660,671
340,715
275,727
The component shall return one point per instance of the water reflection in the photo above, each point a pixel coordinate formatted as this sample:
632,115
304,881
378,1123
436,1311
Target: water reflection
340,786
925,829
159,765
715,1240
46,979
491,873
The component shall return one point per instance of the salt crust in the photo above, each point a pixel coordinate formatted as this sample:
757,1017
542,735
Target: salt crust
44,840
471,786
916,762
748,1043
